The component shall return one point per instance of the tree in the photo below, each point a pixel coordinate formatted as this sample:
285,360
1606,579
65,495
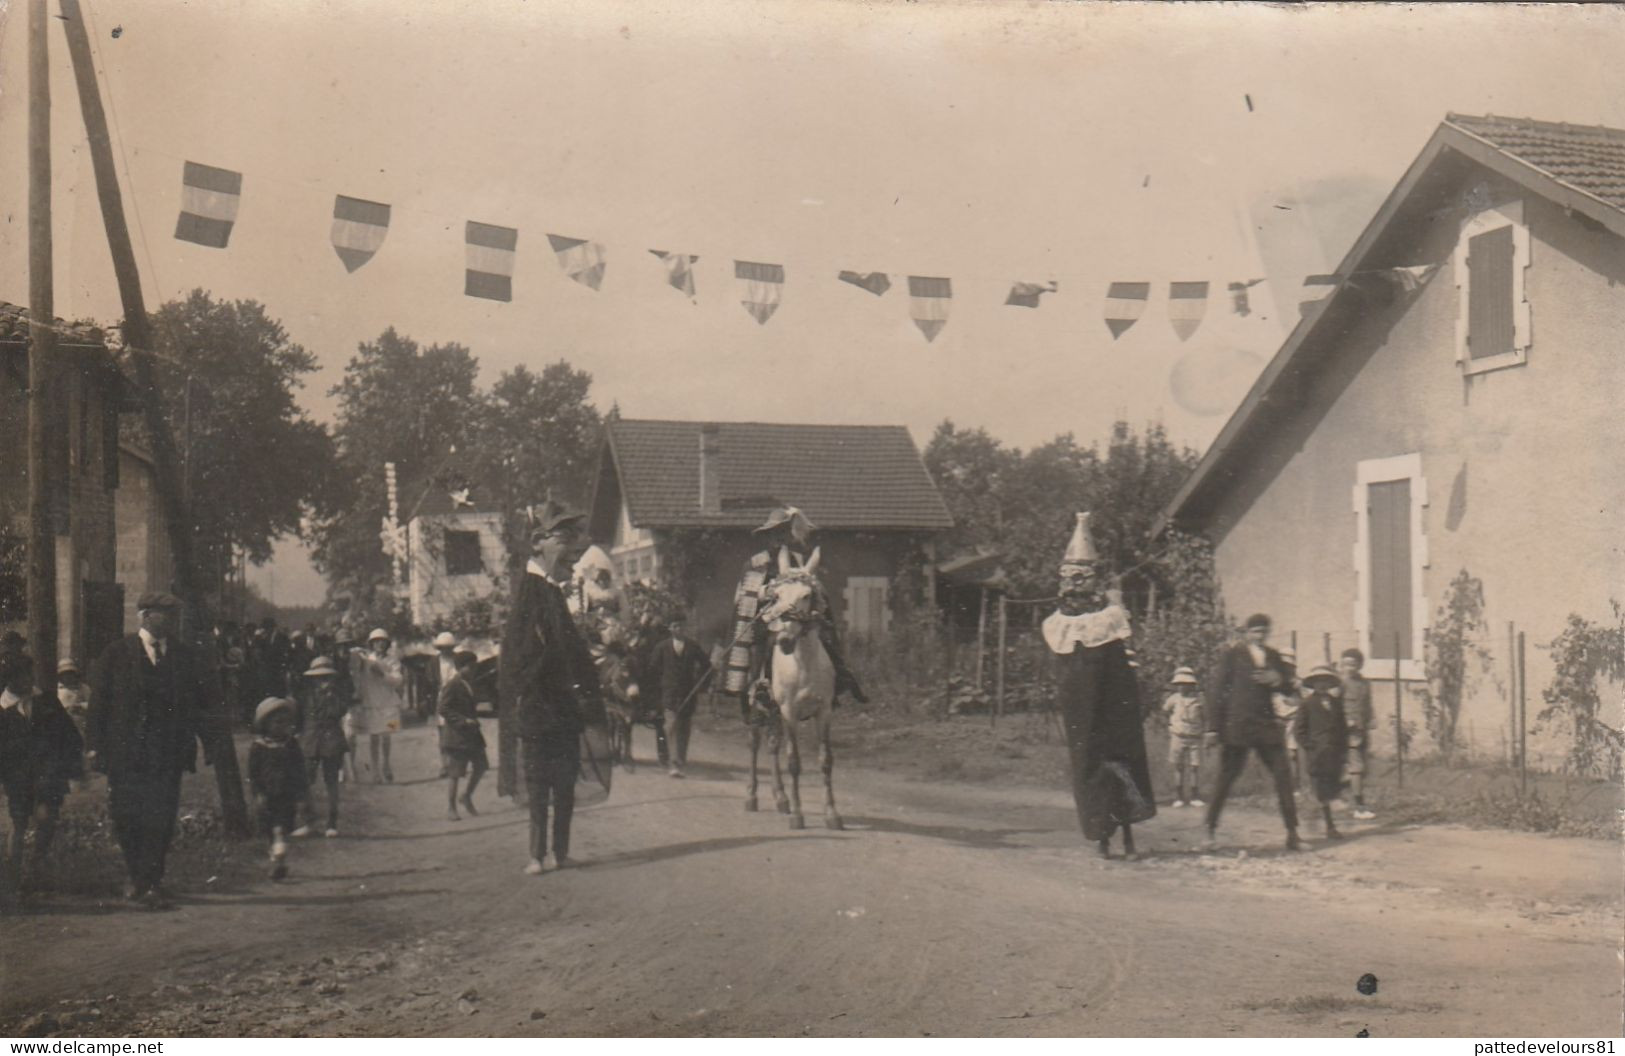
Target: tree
253,462
416,407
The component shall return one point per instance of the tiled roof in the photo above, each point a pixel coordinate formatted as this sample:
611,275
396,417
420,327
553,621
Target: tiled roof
842,476
14,329
1589,158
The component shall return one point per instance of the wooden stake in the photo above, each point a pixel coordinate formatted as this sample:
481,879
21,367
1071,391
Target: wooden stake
998,696
1399,724
981,643
1523,722
43,412
1512,696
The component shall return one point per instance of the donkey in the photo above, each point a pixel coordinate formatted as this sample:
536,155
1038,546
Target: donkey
802,687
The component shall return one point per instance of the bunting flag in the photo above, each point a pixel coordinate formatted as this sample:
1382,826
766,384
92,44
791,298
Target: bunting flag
1125,303
679,270
490,261
1317,290
583,261
1239,302
763,284
875,282
1026,294
1187,303
359,228
928,303
209,198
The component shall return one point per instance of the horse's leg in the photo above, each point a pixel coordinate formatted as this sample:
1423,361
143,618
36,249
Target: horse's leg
776,745
796,819
755,746
826,760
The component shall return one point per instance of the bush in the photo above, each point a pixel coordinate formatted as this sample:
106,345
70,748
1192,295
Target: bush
1589,666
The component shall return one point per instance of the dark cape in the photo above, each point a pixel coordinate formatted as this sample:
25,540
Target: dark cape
1100,709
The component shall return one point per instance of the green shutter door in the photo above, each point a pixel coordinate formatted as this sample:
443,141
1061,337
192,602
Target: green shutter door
1489,294
1389,507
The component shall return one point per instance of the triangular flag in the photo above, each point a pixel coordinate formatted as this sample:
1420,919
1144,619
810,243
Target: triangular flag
1026,294
491,251
1411,277
1125,303
583,261
1187,303
359,228
1317,290
875,282
763,284
1239,302
209,199
928,303
679,270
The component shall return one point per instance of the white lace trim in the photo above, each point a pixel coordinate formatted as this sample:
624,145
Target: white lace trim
1089,629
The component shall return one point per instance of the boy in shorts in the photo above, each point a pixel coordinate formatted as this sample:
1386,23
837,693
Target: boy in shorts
276,773
1185,724
1357,710
461,743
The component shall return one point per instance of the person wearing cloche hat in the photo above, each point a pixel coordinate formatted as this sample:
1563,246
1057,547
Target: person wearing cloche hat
1183,708
276,775
1099,698
324,742
378,681
1322,731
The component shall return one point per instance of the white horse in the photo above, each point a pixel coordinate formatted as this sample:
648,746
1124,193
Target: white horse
803,687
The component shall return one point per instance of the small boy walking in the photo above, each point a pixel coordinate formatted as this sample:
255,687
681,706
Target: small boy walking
1357,708
1322,730
276,774
462,743
324,743
40,753
1183,707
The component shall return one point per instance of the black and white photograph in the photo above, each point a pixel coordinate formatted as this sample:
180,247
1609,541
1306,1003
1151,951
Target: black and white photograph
911,519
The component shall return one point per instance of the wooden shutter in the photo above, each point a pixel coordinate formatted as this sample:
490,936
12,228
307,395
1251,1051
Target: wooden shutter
1490,328
1388,507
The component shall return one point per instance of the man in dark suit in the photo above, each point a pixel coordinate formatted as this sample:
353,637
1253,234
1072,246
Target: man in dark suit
146,717
674,669
1241,716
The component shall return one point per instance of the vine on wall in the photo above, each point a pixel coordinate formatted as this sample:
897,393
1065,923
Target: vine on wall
1454,658
1589,669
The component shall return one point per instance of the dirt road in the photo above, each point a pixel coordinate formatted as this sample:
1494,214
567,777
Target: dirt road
945,910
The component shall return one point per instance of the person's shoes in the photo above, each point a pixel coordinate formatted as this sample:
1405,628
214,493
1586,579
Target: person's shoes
1363,814
1339,804
675,771
452,815
533,868
1332,833
1179,803
332,833
1211,842
1197,803
563,861
1293,843
155,898
301,832
468,806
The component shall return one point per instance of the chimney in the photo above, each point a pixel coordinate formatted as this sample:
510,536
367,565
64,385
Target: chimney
710,468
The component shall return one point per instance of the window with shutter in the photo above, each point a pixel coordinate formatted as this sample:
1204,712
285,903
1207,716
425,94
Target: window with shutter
1492,256
463,554
1390,559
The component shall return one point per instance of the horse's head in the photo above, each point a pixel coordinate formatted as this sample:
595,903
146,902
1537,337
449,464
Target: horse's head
793,604
615,674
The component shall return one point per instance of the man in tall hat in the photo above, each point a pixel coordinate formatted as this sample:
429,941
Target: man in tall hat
1099,699
550,693
786,530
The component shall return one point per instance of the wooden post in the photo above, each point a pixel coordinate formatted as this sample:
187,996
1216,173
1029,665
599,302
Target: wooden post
1326,645
1292,639
1004,625
42,410
1399,725
1523,722
1512,696
138,339
981,642
950,628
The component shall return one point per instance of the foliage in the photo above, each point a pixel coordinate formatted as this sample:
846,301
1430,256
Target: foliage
228,375
1190,627
13,574
1587,657
1452,647
653,604
480,617
686,554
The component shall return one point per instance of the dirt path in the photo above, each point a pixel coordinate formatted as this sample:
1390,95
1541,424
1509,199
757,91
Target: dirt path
947,910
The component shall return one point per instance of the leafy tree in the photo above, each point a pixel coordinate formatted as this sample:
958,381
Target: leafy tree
1189,625
1588,661
254,463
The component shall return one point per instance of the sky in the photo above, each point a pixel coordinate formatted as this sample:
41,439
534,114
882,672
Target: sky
986,142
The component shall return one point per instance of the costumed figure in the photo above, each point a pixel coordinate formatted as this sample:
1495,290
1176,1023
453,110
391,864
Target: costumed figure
1099,699
789,531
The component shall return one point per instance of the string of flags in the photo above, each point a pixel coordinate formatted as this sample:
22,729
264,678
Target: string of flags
210,198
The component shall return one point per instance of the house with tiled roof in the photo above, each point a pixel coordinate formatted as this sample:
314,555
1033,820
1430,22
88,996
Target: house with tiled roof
1453,408
670,490
454,546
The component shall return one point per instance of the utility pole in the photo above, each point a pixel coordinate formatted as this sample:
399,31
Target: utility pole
41,360
138,338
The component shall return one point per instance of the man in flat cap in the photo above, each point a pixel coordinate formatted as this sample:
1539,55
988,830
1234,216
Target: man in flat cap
147,706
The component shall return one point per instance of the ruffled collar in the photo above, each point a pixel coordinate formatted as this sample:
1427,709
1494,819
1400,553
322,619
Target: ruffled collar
1089,629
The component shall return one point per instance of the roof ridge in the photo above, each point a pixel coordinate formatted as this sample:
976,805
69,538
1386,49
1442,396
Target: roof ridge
1536,123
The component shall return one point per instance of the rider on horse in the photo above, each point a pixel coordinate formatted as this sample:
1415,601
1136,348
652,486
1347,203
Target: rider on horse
786,530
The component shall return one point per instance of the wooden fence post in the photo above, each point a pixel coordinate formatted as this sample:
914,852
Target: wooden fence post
1523,722
1512,695
998,692
1399,725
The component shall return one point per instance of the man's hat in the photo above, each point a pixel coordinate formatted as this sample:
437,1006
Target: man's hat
321,666
1321,671
549,518
268,707
1184,676
445,640
378,634
64,666
1080,549
157,599
1258,619
801,526
465,656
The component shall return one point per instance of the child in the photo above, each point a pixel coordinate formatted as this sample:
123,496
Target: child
1285,703
462,743
1357,708
324,742
1185,725
1323,732
276,773
40,752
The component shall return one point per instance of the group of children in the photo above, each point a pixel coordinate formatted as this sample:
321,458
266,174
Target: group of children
1326,719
